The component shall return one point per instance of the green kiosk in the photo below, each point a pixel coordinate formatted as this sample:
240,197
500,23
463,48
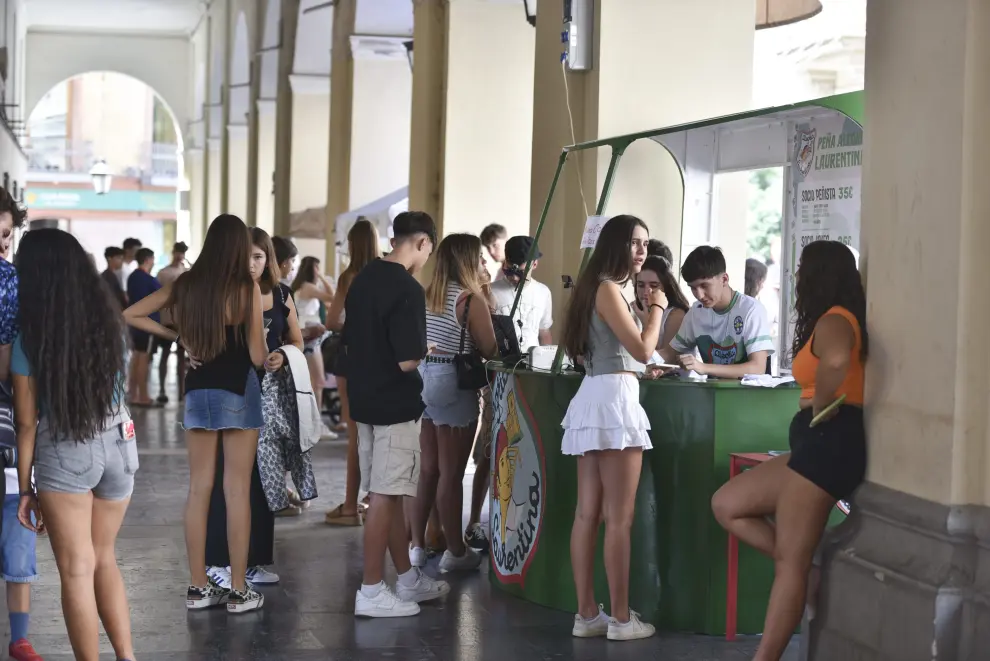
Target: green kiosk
679,556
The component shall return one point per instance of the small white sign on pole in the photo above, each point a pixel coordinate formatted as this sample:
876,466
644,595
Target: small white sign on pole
592,228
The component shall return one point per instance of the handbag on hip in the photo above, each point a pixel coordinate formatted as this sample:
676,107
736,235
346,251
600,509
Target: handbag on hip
470,367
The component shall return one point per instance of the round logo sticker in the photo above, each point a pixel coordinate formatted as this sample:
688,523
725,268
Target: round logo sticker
518,484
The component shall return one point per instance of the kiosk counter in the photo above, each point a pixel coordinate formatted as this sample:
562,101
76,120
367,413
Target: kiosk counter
678,564
679,552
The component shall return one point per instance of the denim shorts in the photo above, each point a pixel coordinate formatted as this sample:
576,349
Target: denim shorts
104,465
17,546
446,404
212,409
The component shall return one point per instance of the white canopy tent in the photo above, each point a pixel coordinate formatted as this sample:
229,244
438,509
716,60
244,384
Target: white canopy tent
380,212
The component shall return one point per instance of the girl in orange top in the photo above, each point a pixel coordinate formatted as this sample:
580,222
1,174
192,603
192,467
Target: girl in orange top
827,462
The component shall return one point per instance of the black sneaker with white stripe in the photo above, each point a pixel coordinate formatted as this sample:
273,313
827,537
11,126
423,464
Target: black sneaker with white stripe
206,597
245,602
476,538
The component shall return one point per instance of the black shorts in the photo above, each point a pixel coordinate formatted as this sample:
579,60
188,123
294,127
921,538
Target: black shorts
832,455
140,341
160,343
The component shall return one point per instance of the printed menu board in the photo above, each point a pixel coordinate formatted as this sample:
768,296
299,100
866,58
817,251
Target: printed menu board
824,196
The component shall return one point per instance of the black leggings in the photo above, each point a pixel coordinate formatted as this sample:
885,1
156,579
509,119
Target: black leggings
262,545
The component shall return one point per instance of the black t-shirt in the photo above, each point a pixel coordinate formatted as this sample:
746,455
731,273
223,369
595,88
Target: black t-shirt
386,324
114,283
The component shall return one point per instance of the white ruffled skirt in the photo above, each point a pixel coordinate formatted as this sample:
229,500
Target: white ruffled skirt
605,414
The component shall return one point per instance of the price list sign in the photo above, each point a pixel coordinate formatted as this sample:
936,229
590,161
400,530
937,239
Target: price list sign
824,194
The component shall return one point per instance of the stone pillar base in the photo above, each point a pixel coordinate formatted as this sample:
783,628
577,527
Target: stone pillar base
905,579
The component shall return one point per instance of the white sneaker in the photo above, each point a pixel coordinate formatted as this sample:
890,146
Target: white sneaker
260,576
634,629
425,589
470,560
593,628
384,604
220,576
417,556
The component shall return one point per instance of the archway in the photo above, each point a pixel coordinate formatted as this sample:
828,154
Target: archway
113,117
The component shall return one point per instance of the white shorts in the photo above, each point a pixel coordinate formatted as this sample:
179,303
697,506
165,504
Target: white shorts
389,456
605,414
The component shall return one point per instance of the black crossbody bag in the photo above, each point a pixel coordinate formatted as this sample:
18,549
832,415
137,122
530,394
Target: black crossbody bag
471,372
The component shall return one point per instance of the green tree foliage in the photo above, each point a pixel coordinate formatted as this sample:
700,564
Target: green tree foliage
763,220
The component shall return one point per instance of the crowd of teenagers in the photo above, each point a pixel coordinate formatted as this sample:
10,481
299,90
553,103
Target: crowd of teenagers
251,370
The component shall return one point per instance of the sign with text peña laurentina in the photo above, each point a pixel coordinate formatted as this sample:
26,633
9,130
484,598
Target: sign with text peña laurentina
518,490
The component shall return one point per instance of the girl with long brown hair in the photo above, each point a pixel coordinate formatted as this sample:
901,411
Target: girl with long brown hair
281,327
605,425
827,461
363,248
458,321
217,308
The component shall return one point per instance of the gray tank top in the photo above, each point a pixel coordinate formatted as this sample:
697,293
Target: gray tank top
605,354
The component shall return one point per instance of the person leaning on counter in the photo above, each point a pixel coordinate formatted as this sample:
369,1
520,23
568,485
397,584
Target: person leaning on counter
729,329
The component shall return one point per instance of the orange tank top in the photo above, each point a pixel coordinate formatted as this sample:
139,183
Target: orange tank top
805,365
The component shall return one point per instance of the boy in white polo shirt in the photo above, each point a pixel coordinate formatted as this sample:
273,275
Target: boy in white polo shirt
729,329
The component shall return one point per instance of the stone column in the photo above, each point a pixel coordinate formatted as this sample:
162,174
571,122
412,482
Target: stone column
257,14
426,151
228,59
193,158
284,118
266,165
341,105
214,181
207,124
237,174
911,580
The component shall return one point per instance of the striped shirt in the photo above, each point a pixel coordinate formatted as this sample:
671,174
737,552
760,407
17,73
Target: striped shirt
444,330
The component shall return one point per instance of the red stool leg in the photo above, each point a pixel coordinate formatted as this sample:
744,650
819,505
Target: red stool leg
732,577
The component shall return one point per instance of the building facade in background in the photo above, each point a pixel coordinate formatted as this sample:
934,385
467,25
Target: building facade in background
104,116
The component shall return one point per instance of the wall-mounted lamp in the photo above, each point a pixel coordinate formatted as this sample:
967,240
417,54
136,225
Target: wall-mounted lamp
101,177
530,13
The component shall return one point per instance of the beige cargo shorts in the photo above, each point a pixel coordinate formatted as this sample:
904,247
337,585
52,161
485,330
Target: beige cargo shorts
389,458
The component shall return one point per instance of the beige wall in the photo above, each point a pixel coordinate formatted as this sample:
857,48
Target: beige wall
237,195
310,150
382,107
657,63
122,129
699,68
925,230
489,128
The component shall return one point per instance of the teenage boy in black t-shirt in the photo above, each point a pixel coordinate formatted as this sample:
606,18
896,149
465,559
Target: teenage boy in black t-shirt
384,341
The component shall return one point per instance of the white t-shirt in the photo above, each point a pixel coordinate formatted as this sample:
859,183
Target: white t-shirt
535,311
728,337
13,487
125,272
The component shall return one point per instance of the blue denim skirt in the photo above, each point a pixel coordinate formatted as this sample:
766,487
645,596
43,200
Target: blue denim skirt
214,409
446,404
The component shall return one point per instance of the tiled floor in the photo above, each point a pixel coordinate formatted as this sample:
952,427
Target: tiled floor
309,615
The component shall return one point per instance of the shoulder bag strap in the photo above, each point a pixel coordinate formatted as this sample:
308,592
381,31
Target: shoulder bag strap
467,306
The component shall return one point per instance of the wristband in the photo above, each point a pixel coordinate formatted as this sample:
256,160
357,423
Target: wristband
657,305
29,492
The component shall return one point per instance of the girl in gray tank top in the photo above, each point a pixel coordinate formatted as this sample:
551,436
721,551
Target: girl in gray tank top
605,426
